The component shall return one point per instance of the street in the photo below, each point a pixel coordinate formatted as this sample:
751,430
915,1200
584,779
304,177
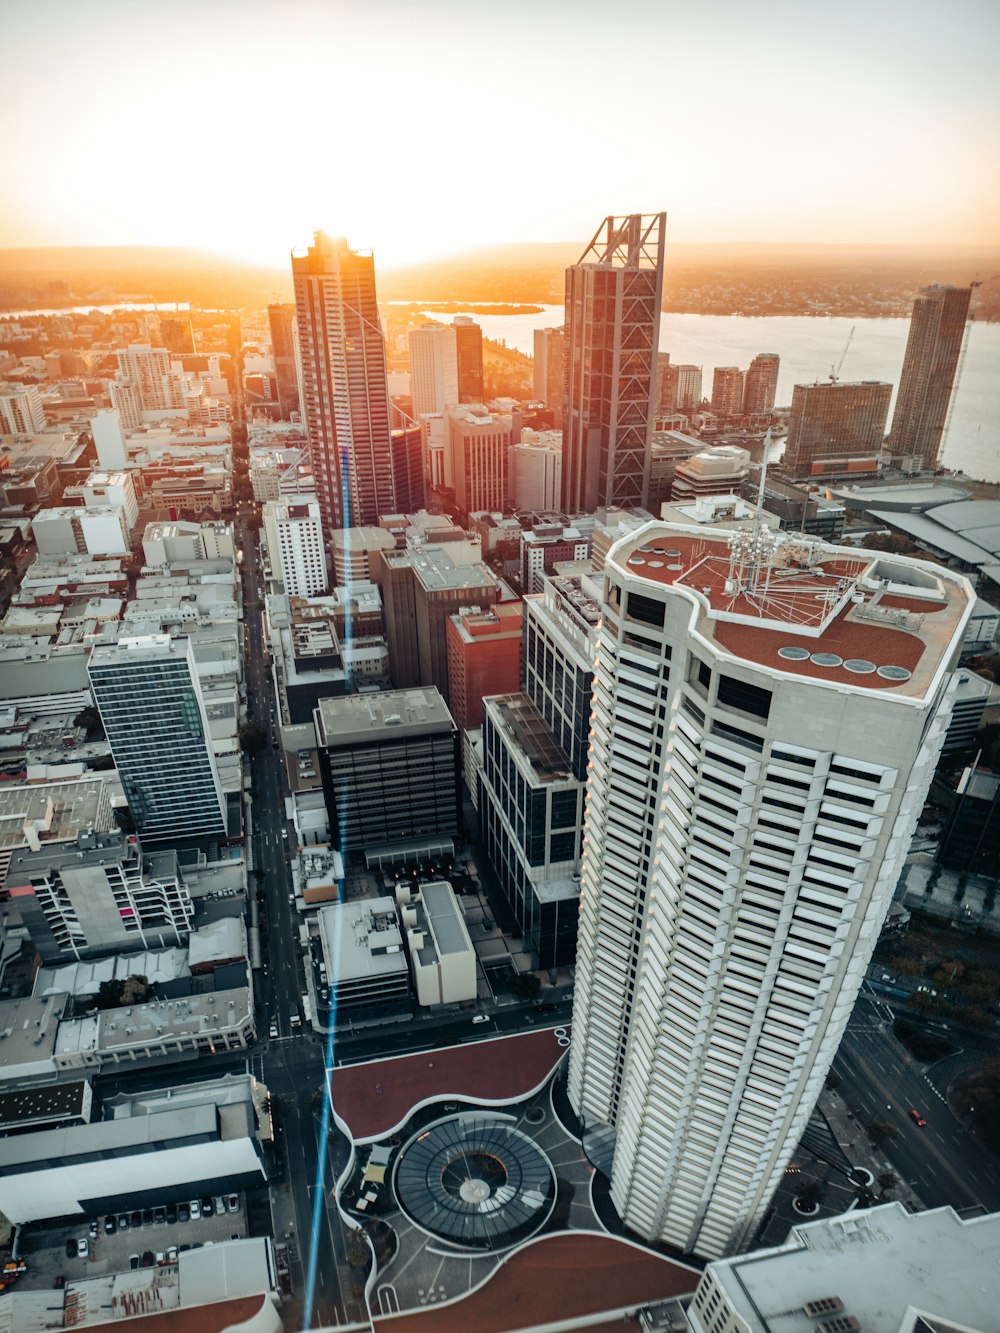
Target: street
941,1161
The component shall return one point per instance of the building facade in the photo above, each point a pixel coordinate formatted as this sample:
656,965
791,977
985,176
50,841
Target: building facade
469,355
484,657
294,535
549,370
148,695
345,399
930,364
433,368
480,444
744,833
613,300
760,384
727,391
21,411
281,319
836,429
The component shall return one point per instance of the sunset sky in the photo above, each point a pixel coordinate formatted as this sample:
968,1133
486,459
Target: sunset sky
427,128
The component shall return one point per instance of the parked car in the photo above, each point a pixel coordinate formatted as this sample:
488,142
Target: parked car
160,1216
233,1203
136,1218
219,1205
183,1212
83,1247
71,1248
172,1214
195,1207
123,1222
133,1262
172,1254
148,1259
147,1217
93,1229
110,1225
206,1208
480,1018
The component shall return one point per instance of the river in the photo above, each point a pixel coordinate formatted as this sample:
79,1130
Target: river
808,348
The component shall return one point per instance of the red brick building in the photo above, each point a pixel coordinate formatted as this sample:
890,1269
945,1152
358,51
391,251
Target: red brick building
484,657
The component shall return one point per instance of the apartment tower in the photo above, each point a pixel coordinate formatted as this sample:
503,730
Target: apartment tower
345,399
281,319
767,716
146,690
836,429
760,383
612,329
930,364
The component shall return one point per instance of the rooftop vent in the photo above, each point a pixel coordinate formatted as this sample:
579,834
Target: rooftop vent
844,1323
825,1305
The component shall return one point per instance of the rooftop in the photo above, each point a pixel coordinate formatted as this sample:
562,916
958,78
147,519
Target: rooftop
400,712
362,939
844,617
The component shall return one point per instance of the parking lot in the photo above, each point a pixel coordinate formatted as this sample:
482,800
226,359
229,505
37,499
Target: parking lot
44,1249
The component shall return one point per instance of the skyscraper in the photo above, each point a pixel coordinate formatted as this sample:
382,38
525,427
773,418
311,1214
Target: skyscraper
469,355
766,719
937,329
148,370
281,318
612,328
433,368
836,429
727,391
294,537
760,383
345,397
549,368
146,690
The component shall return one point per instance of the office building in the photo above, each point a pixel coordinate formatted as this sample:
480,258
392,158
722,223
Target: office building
927,380
688,396
613,300
836,429
433,368
148,695
667,449
727,391
535,471
484,657
148,370
281,321
767,717
549,370
100,894
109,439
21,411
91,529
469,355
126,402
294,536
345,401
480,443
881,1270
407,446
721,470
760,384
389,766
545,545
365,962
422,585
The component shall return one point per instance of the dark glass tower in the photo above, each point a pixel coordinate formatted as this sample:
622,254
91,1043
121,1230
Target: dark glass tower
933,347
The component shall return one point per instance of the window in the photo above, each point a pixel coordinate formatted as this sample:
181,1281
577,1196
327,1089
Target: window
646,610
745,698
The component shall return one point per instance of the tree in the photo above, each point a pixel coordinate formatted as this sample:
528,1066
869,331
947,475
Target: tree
90,719
881,1132
810,1195
887,1180
109,994
832,1081
253,737
526,986
136,989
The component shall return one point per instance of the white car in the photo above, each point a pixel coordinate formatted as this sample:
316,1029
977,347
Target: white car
480,1018
82,1248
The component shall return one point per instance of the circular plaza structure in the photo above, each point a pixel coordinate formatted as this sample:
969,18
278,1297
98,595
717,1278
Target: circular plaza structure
475,1181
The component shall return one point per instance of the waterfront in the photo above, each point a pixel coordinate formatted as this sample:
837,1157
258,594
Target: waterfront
809,348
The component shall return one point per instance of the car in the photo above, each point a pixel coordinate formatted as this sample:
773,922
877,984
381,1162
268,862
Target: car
480,1018
272,1031
183,1212
148,1259
136,1218
160,1216
206,1208
219,1204
83,1247
172,1254
233,1202
917,1119
161,1256
71,1248
195,1207
147,1217
93,1230
110,1225
133,1262
171,1213
184,1248
123,1222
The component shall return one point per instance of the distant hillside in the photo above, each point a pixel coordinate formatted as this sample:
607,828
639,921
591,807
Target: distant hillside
717,279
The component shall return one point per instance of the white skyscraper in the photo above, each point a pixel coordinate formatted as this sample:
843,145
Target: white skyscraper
767,714
148,369
21,411
293,531
433,368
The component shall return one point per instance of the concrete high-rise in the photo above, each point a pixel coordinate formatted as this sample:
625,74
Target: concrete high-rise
613,299
480,444
433,368
933,346
549,370
294,536
345,399
727,391
766,720
281,319
760,383
146,690
21,411
836,429
148,370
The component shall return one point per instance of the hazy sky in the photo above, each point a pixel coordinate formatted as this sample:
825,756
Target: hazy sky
432,126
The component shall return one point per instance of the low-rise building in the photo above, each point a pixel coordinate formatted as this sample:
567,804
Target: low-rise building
364,959
442,955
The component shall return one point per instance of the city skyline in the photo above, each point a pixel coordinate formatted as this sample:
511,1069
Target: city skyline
846,154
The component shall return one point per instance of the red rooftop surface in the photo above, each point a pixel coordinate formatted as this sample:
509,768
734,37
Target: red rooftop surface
813,599
373,1099
214,1318
557,1278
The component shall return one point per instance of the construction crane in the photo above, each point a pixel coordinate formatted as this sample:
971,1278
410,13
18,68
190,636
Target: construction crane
835,370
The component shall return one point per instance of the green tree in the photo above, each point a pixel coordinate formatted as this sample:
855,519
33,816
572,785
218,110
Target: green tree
136,989
253,737
887,1180
526,986
882,1132
90,719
